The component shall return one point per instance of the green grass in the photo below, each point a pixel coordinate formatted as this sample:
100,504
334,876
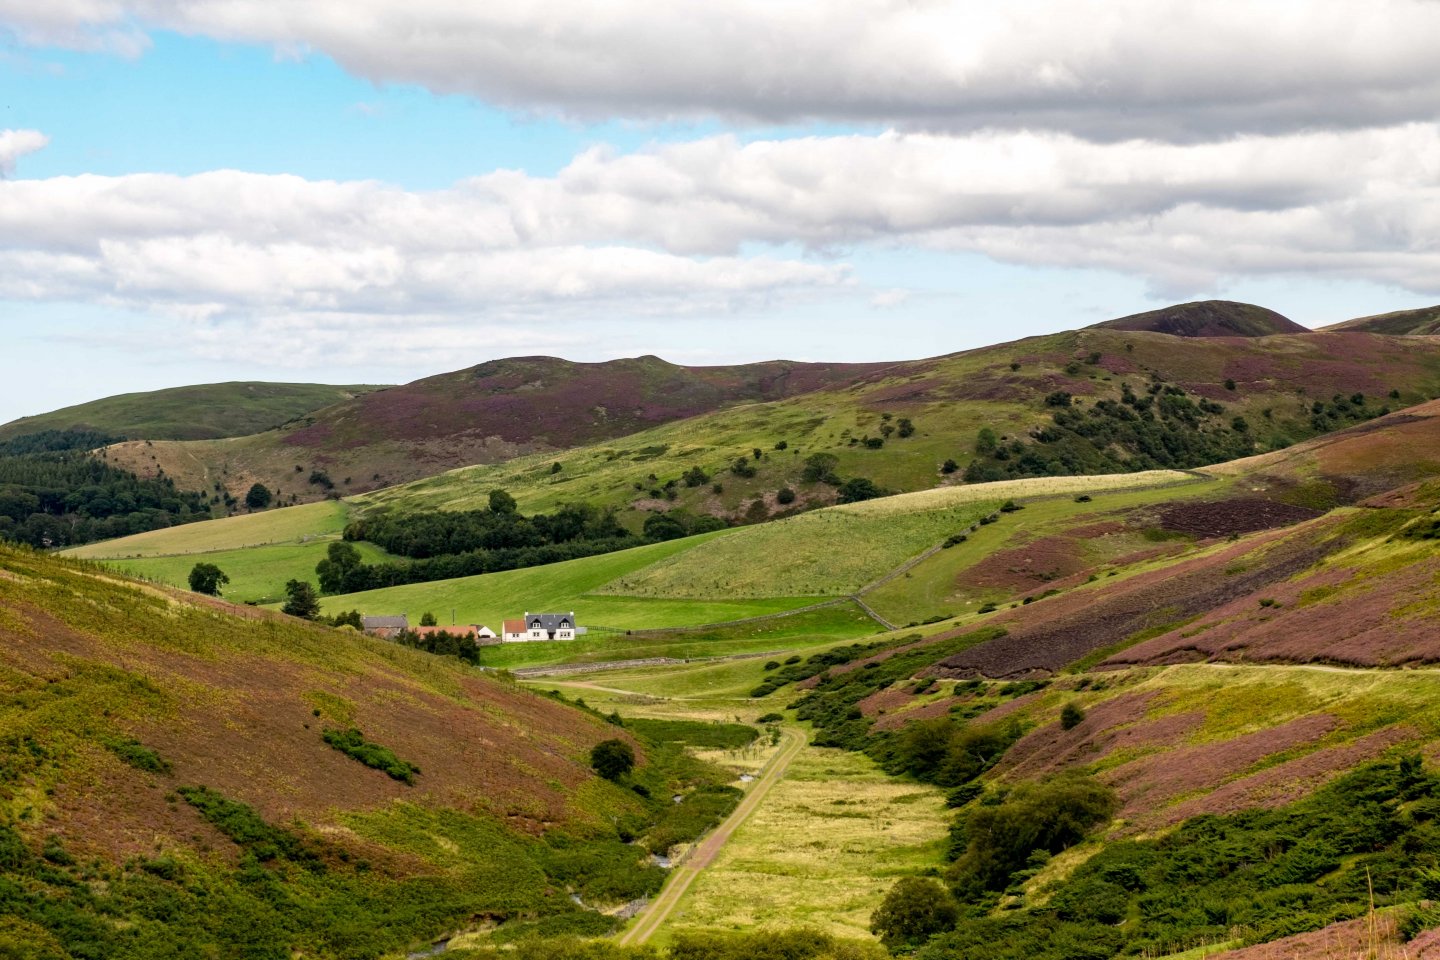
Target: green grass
800,631
286,525
830,552
821,851
257,574
568,586
938,586
191,413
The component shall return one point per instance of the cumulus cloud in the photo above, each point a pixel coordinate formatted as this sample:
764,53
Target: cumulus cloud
709,228
14,144
1101,68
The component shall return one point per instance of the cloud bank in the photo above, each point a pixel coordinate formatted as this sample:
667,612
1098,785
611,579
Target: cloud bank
1103,69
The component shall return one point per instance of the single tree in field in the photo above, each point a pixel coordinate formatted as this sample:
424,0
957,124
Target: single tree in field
1071,717
612,759
427,619
301,600
502,502
259,497
914,910
207,578
340,559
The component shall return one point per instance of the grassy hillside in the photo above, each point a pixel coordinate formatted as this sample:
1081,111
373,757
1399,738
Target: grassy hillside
282,526
572,585
484,414
168,788
1422,322
206,411
1277,381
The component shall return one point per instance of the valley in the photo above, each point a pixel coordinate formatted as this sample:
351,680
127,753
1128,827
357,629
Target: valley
1179,711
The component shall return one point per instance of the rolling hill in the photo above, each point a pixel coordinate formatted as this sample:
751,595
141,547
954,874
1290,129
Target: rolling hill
185,778
1209,318
1400,323
484,414
203,412
1273,384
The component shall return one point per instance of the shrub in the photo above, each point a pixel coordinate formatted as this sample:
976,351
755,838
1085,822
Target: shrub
136,754
771,717
612,759
785,496
914,910
949,467
1071,717
353,744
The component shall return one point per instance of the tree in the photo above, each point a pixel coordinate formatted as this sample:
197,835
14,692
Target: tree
612,759
914,910
859,488
907,428
259,497
427,619
949,466
785,496
1071,717
662,526
339,560
986,441
301,600
695,477
820,468
502,502
207,578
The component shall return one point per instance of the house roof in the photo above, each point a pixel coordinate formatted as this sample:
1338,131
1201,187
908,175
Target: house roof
550,621
513,626
458,631
401,622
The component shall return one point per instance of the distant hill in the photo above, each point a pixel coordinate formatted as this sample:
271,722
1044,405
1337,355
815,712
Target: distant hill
206,411
484,414
1208,318
171,750
1422,322
623,432
1014,390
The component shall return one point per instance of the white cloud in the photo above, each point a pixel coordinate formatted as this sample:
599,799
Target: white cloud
15,144
1104,68
681,231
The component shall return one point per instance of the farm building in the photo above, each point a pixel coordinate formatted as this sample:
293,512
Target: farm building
541,626
481,635
385,626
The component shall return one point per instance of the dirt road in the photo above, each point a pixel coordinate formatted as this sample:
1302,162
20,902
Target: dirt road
685,873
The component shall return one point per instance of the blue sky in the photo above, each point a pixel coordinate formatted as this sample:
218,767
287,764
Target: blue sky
194,193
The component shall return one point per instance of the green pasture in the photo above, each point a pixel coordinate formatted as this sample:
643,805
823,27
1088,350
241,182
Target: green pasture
284,525
801,631
937,585
572,585
257,574
831,552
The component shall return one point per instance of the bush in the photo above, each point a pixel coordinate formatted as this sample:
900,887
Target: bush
785,496
1071,717
1050,816
914,910
352,743
612,759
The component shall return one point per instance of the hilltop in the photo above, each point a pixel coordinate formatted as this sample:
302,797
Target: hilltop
1209,400
205,411
169,783
1422,322
484,414
1209,318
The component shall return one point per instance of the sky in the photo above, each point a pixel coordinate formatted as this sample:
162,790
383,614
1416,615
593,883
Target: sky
372,191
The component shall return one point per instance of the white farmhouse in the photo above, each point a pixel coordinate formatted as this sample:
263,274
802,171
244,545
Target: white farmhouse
541,626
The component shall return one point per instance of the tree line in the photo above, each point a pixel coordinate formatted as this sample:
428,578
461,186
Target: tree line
55,493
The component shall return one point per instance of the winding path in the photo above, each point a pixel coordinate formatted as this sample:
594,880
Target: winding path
684,874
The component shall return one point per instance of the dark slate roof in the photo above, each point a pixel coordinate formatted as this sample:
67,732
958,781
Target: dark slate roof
549,621
401,622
